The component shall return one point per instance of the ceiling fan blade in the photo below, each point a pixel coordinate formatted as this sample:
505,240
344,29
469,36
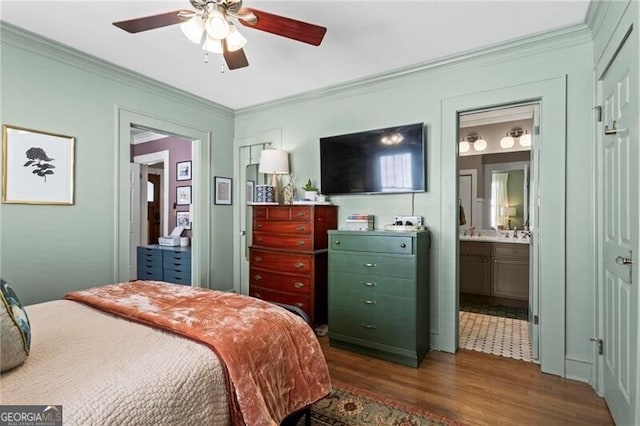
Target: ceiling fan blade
151,22
285,27
236,59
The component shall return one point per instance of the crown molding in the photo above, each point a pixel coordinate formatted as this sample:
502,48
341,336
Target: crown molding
24,39
524,46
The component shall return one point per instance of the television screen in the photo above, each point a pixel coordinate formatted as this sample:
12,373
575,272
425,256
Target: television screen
390,160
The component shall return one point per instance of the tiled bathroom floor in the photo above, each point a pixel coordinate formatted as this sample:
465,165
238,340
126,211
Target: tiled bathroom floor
506,337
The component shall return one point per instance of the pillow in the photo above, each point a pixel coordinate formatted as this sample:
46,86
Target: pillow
15,331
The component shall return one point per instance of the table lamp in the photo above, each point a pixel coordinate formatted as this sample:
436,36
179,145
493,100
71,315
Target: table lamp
274,162
508,212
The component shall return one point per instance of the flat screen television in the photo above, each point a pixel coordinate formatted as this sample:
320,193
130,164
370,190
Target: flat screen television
381,161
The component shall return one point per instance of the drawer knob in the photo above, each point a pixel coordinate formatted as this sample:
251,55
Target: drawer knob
369,284
257,295
298,265
257,259
257,277
300,214
300,243
258,239
299,305
368,326
368,302
259,226
300,228
298,284
369,265
337,242
403,245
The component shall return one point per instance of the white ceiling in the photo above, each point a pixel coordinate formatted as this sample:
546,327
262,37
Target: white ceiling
363,38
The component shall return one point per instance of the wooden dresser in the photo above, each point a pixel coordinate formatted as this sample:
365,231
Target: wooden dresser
288,256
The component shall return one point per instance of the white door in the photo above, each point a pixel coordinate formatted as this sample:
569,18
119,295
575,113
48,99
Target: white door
134,217
619,233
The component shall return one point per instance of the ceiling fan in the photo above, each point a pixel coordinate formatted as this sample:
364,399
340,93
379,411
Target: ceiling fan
210,26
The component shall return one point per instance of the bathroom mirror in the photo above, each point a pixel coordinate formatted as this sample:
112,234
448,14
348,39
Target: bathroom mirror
507,195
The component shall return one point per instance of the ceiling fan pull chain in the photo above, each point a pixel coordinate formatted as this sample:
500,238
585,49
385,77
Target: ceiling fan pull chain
221,67
206,57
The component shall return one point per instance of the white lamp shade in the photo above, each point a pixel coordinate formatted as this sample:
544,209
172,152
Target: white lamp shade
274,161
193,29
525,140
217,26
464,146
212,45
507,142
235,40
480,145
507,211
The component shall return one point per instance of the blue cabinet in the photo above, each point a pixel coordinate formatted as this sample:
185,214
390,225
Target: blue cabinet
160,263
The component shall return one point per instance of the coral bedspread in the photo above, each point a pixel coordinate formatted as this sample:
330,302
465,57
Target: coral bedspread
274,362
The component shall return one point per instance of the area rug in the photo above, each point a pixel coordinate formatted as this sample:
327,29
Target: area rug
350,406
495,310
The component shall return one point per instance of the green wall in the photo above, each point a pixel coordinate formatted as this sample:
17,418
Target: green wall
417,95
46,251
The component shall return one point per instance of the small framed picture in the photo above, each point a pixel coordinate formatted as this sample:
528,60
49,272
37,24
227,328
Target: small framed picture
183,195
183,170
251,185
222,190
182,219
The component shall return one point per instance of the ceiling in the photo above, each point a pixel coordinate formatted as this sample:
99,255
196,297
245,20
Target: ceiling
364,38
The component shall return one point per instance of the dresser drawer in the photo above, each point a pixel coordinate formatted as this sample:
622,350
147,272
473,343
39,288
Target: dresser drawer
373,264
290,242
269,295
296,213
177,276
272,226
511,250
150,254
392,330
282,262
380,244
475,248
149,271
369,285
280,282
179,257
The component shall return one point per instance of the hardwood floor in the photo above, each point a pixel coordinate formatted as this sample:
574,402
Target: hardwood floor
474,388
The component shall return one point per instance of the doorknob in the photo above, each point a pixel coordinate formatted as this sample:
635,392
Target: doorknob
623,260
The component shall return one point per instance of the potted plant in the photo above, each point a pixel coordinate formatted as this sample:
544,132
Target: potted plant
310,191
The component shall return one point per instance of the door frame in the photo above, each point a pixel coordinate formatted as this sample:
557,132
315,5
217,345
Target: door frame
240,261
201,155
551,94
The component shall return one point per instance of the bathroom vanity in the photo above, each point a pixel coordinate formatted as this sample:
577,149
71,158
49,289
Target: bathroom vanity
495,267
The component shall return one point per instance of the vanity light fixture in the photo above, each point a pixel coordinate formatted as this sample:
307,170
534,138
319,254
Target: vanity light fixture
525,140
479,144
509,140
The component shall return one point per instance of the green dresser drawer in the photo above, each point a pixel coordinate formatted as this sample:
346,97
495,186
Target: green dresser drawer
372,243
392,329
371,285
373,264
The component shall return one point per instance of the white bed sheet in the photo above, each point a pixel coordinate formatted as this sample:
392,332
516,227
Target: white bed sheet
105,370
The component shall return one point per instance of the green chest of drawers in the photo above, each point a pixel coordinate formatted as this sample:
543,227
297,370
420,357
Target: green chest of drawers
161,263
379,294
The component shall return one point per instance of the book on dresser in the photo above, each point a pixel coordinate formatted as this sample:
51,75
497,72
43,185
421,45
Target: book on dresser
288,256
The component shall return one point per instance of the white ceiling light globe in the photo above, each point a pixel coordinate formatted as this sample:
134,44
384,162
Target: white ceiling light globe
193,29
217,26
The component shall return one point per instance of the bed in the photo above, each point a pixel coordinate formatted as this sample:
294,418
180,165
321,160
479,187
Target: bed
148,352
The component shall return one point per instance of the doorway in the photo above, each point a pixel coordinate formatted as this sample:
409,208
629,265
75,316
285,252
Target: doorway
161,167
495,261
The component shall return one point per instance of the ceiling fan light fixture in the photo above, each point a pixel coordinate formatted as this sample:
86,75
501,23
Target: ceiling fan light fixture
193,29
217,26
212,45
235,40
